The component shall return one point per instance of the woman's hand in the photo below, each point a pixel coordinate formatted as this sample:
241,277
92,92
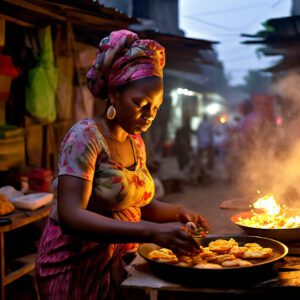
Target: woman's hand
174,237
185,215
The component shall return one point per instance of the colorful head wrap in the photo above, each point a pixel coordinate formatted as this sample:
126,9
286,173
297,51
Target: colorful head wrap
122,58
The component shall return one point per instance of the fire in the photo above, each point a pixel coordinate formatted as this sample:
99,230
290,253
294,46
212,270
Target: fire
268,205
267,213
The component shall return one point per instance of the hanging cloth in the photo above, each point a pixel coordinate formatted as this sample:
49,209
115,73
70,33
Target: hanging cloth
42,82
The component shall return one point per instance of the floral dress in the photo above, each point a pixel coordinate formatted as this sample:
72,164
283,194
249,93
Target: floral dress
69,267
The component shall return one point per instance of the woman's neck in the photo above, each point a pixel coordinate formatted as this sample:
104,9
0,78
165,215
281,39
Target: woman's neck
114,130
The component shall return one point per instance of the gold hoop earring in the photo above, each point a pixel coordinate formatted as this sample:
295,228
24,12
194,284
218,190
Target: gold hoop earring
111,113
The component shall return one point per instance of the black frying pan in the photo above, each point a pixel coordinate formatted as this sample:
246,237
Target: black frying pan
286,235
233,275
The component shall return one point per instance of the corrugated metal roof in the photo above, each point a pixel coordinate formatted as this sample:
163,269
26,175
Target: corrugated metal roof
86,13
92,21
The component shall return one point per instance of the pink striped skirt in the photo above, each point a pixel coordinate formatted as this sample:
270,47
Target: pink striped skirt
71,268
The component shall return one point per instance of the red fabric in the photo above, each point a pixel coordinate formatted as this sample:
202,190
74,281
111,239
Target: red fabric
7,67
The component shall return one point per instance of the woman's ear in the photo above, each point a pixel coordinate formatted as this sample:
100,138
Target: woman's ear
113,95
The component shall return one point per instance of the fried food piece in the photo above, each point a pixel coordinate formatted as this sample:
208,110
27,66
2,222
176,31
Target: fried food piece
186,260
238,251
236,263
222,246
6,207
198,259
163,255
256,253
219,259
206,258
245,263
253,245
207,266
206,252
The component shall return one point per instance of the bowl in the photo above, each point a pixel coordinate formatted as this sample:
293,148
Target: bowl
286,235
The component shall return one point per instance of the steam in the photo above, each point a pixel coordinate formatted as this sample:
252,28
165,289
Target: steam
268,159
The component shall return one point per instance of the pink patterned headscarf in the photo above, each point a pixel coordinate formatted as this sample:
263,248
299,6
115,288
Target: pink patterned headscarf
122,58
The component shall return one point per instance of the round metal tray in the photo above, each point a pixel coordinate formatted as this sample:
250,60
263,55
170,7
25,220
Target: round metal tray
232,275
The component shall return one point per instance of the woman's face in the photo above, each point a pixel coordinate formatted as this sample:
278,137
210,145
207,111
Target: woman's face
137,104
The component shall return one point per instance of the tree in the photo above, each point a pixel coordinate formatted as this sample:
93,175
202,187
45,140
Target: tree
257,82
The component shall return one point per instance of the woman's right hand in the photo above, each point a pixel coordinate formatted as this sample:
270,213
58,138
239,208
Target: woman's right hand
173,236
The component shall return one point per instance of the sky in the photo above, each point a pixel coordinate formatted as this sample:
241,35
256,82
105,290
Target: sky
224,21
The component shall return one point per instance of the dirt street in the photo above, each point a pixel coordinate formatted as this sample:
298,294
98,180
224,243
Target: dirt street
206,200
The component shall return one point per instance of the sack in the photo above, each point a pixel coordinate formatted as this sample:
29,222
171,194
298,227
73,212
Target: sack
42,82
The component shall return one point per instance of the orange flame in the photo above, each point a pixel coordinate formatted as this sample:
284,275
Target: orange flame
273,216
268,204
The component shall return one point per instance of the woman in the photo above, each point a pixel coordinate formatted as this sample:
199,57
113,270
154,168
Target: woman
104,188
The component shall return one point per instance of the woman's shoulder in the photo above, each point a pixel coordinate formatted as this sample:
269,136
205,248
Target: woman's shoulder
86,124
83,132
85,129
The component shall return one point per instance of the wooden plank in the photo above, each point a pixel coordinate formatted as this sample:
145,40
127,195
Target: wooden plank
26,259
2,34
20,218
29,262
35,8
289,279
16,21
2,112
34,144
91,7
2,267
95,22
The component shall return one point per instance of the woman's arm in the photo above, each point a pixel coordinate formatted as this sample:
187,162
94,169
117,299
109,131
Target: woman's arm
160,212
72,198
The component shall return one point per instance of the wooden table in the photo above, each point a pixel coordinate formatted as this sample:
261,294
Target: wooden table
19,219
284,283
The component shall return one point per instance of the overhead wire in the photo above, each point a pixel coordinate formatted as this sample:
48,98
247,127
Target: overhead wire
238,8
236,30
211,24
249,24
246,26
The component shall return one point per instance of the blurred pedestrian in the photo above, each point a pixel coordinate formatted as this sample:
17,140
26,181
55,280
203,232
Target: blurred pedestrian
220,141
205,151
183,144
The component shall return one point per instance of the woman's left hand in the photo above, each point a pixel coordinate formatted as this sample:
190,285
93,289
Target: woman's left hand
186,215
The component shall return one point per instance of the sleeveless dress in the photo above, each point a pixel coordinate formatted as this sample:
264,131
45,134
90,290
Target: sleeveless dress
72,268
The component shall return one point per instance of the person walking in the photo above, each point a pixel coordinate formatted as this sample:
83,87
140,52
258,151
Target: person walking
205,151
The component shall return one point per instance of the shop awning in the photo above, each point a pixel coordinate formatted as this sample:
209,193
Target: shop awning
92,21
281,37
